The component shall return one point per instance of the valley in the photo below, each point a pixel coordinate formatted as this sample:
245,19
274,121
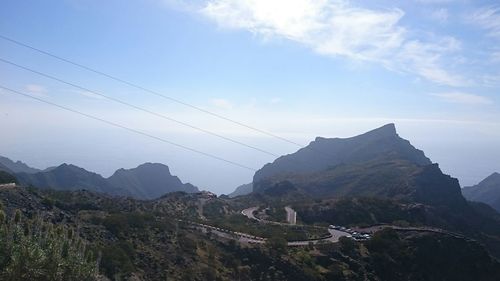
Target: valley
383,204
249,140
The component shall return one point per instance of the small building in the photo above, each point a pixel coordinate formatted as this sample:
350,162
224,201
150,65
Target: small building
206,194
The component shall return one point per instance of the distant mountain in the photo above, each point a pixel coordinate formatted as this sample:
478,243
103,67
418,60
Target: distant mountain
49,169
5,177
243,189
323,153
148,181
16,167
378,163
67,177
487,191
5,169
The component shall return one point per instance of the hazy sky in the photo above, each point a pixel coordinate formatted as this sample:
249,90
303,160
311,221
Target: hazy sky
298,69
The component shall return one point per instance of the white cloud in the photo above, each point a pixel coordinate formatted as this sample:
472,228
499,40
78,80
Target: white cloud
181,5
37,90
463,98
491,80
329,27
222,103
89,95
488,18
425,59
434,1
338,28
495,56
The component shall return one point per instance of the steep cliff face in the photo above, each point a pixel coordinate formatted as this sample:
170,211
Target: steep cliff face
435,188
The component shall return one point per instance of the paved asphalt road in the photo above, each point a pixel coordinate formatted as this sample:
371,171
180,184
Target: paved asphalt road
291,215
250,239
334,238
249,213
233,235
336,234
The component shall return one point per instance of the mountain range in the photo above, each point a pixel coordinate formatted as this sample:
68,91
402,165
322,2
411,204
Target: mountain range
372,181
243,189
147,181
326,153
487,191
10,166
378,163
377,177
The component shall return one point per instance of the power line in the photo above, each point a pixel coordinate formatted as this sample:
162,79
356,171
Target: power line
130,129
321,154
149,90
137,107
145,110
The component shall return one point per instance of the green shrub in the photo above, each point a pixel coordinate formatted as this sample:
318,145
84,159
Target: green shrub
277,243
347,245
48,202
7,178
121,223
116,262
35,250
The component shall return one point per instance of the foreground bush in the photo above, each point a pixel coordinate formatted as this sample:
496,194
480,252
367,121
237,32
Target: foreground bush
36,250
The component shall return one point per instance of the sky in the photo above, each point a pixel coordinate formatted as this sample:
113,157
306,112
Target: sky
296,69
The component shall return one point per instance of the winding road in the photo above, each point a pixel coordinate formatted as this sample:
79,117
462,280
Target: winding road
291,215
334,234
249,213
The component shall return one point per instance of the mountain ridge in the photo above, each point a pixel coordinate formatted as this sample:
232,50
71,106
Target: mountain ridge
377,163
325,153
67,177
147,181
486,191
16,167
243,189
